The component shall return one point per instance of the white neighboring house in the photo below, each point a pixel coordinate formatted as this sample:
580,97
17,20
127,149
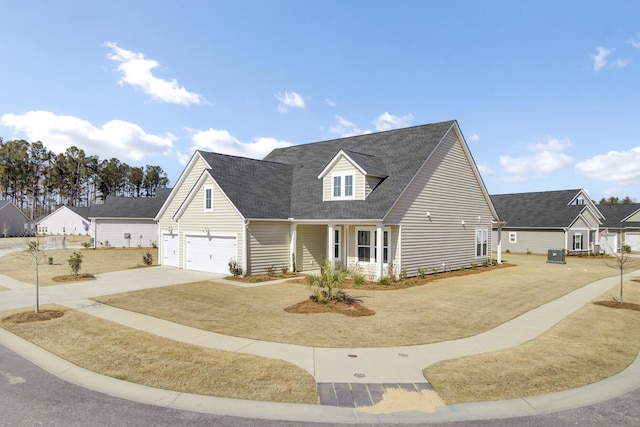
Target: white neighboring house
66,220
621,227
126,222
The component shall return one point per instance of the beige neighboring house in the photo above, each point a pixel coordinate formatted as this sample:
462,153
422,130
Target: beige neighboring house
621,227
385,203
539,221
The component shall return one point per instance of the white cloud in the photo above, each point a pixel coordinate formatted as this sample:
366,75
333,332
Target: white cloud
635,42
485,170
115,138
386,121
344,128
221,141
545,157
620,167
475,137
330,103
289,100
137,72
600,59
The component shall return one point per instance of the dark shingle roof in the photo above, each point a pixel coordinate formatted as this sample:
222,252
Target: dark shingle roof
545,209
82,211
399,152
129,207
371,164
257,188
614,214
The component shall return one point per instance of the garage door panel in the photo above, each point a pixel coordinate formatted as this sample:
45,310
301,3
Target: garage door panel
210,253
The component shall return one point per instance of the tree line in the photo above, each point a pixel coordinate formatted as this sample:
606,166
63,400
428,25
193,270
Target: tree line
615,201
38,181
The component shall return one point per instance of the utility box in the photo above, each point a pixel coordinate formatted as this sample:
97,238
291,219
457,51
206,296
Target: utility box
556,256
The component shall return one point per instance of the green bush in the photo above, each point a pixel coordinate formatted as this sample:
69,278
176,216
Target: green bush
75,262
359,280
234,268
385,281
325,286
421,273
147,259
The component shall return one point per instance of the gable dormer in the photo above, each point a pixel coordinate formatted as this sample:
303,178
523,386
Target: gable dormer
351,176
583,199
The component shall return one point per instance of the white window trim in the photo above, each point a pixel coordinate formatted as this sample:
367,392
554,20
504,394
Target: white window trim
372,245
513,237
486,248
204,202
580,239
342,176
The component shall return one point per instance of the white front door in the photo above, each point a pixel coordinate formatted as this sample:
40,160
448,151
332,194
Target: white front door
170,248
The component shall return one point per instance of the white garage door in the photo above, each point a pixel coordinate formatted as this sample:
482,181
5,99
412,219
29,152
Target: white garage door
633,240
210,253
170,249
609,243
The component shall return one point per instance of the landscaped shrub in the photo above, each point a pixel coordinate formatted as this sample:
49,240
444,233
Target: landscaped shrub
284,269
421,273
271,270
147,259
325,286
75,262
385,281
234,268
359,279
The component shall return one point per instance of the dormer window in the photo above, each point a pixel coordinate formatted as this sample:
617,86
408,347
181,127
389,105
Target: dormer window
342,185
208,198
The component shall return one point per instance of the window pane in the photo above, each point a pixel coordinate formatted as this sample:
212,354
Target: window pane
364,253
348,185
336,186
364,237
207,198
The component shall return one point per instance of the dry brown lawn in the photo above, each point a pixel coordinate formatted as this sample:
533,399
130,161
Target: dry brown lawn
593,344
120,352
445,309
20,265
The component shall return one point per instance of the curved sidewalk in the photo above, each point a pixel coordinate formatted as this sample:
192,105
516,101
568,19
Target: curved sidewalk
396,364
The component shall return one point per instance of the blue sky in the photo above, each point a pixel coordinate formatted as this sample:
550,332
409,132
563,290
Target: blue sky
546,92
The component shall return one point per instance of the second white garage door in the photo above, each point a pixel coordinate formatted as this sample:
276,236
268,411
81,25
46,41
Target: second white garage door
210,253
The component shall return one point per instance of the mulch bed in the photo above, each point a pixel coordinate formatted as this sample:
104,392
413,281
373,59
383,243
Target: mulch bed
312,307
31,316
71,278
616,304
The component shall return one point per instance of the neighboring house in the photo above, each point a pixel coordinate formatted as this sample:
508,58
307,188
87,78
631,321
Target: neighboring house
65,220
127,221
539,221
385,203
13,222
621,227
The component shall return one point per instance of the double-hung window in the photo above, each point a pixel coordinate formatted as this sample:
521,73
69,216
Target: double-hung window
366,246
342,187
482,240
208,198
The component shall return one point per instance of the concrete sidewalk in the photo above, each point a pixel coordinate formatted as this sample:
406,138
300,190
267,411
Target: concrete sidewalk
327,365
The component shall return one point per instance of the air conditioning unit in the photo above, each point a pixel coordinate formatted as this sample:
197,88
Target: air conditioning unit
556,256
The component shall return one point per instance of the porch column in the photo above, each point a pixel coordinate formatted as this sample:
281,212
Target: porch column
499,245
331,242
293,243
379,250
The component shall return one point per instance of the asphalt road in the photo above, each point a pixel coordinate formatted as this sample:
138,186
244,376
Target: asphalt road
31,396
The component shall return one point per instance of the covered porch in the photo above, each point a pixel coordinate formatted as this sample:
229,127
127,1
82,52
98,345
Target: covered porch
354,246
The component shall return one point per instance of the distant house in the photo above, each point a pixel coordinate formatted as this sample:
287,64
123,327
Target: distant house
384,204
126,221
620,227
13,222
539,221
66,220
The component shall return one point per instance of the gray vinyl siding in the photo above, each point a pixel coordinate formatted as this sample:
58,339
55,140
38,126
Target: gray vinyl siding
311,246
179,194
533,241
447,188
110,233
634,218
343,165
268,246
222,220
12,221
